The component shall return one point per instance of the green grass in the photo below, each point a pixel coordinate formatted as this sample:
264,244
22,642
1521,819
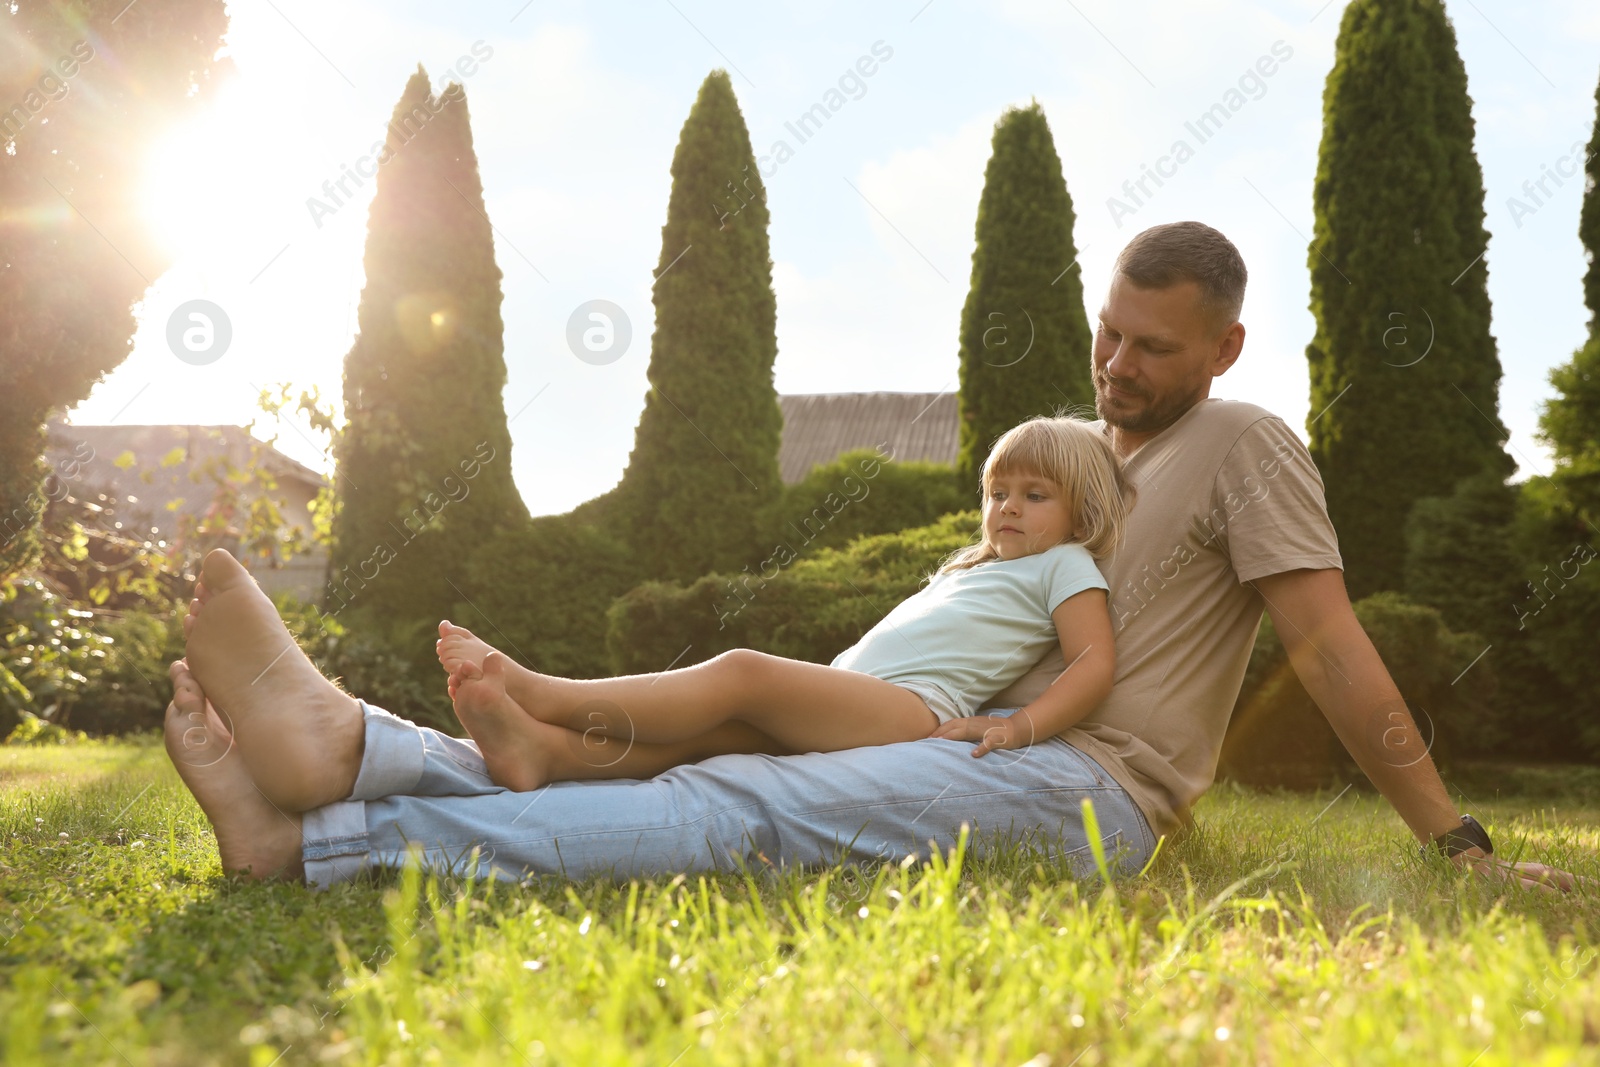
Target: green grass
1288,929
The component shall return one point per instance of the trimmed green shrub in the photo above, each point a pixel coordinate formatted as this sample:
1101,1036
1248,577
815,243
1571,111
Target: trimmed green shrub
704,464
540,594
810,608
1024,334
1462,558
1556,611
1404,370
1278,736
424,473
857,495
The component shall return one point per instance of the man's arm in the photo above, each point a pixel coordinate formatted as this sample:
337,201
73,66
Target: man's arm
1337,664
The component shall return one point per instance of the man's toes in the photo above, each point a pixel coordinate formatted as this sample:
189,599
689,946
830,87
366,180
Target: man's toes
220,572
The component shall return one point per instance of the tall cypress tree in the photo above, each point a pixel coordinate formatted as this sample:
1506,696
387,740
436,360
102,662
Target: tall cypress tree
704,465
424,466
1404,371
1024,336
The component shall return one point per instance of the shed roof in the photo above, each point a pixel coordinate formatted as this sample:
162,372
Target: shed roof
817,427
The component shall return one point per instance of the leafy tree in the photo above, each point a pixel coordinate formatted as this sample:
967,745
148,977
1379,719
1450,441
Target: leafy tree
424,466
1024,335
88,84
704,465
1404,370
1558,602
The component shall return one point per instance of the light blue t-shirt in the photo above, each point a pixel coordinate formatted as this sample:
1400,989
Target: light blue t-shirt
968,634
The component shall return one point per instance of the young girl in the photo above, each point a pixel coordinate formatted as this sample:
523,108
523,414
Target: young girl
1054,500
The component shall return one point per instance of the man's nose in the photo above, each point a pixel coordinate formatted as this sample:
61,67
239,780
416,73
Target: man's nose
1121,364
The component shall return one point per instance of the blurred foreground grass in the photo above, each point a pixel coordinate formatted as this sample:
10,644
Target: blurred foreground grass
1286,929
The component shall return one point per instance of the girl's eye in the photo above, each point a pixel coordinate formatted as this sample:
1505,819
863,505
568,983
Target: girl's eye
1035,496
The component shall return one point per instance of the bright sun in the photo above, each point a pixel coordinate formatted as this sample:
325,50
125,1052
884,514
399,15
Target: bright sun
210,180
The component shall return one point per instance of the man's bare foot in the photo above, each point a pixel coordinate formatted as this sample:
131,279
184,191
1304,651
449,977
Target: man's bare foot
253,837
521,752
301,738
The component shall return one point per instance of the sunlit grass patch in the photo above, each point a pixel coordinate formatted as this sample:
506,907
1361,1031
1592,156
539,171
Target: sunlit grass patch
1286,929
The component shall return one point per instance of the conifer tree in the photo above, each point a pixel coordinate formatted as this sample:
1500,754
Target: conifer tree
704,465
1024,335
424,466
1404,369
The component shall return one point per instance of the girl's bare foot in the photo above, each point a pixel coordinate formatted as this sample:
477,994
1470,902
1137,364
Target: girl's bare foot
253,837
458,645
458,648
301,738
520,751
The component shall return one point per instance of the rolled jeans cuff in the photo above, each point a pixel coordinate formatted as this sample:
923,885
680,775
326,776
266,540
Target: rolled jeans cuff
393,759
334,837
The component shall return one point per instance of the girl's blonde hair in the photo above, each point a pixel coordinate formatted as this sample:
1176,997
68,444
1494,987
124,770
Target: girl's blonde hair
1079,460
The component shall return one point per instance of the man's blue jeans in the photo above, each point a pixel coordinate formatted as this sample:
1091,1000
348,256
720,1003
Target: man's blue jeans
422,788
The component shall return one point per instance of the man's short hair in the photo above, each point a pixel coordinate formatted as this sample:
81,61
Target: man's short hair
1175,252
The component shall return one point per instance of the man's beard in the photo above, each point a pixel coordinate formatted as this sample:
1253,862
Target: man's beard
1156,415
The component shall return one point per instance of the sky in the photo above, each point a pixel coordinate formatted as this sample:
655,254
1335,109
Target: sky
576,109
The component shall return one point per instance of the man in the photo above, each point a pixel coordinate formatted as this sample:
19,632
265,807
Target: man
1230,520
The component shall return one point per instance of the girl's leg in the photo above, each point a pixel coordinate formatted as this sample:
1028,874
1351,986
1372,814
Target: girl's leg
804,707
523,754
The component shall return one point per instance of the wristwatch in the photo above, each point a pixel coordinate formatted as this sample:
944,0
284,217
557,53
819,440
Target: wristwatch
1471,835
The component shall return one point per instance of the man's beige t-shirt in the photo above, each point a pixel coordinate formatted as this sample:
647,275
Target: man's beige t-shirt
1227,494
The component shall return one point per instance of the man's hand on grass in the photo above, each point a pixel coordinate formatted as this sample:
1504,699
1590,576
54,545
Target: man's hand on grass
1527,874
992,732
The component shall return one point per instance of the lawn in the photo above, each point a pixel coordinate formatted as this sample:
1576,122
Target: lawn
1286,929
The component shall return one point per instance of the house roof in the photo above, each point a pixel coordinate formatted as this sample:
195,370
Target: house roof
152,473
149,445
817,427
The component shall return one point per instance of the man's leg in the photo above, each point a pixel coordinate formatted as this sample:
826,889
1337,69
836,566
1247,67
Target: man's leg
418,788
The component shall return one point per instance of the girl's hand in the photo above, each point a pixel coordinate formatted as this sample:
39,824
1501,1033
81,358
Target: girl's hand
992,732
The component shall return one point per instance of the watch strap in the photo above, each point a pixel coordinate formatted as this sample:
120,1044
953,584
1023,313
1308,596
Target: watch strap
1470,834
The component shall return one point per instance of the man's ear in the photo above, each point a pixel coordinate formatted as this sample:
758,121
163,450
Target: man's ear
1229,345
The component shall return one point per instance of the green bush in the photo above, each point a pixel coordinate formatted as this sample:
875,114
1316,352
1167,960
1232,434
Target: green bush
540,594
809,608
48,651
858,494
129,690
1277,736
32,730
